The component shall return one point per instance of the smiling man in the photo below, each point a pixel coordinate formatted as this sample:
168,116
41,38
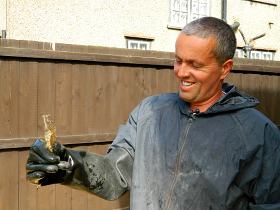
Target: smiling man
203,148
202,63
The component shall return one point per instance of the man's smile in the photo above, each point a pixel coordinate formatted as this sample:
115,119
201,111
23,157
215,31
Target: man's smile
186,84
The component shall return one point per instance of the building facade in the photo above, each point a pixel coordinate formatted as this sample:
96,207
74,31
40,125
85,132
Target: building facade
144,24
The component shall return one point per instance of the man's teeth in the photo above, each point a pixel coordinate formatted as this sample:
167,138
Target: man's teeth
186,83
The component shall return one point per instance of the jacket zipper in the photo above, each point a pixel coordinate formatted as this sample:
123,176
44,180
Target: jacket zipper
178,160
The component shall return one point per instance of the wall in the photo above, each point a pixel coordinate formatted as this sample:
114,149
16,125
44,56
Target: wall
99,22
2,15
107,22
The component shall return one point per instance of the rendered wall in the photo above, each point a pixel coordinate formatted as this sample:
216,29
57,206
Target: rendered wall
2,15
107,22
98,22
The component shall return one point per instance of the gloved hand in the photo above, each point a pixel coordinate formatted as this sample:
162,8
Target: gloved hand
45,167
107,176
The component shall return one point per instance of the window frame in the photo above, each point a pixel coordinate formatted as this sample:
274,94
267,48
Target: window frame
138,41
189,12
239,53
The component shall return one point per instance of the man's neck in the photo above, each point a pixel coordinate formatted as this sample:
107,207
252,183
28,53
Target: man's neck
202,107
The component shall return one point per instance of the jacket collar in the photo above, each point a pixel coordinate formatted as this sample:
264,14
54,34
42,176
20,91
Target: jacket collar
232,100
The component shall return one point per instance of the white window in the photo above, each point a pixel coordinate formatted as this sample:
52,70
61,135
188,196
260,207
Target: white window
184,11
261,54
267,55
239,53
140,44
255,54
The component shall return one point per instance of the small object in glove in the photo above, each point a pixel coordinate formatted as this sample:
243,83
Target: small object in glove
50,139
64,165
45,167
50,132
48,161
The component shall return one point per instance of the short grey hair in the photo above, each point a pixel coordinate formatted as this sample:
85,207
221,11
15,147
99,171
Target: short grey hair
210,26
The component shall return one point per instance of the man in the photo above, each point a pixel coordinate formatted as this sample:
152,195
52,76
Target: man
205,147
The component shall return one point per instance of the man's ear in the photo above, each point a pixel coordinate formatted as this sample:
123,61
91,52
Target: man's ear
226,68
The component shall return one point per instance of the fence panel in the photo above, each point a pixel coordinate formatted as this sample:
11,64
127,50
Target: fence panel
89,91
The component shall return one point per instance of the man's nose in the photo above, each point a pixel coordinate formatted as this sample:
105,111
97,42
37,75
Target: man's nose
183,71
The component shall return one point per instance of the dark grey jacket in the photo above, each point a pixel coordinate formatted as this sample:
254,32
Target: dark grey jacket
225,158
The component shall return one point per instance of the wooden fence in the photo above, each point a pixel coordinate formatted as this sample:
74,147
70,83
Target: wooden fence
89,91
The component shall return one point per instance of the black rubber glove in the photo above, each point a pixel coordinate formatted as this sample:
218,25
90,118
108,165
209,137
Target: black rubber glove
107,176
45,167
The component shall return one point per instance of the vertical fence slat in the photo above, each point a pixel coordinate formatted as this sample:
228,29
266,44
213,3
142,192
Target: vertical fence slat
79,99
63,197
46,97
273,111
90,89
63,98
27,127
109,95
46,93
46,197
173,82
14,98
9,180
27,192
28,98
5,102
63,117
100,105
9,74
112,96
79,200
28,81
162,81
129,92
149,84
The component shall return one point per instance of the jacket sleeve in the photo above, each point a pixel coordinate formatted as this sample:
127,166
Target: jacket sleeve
126,136
266,191
107,176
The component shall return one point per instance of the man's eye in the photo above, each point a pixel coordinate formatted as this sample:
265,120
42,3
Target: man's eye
178,61
196,65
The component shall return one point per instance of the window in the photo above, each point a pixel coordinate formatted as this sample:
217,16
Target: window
138,43
238,53
184,11
255,54
267,55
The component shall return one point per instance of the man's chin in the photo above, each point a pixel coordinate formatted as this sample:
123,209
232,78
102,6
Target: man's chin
184,97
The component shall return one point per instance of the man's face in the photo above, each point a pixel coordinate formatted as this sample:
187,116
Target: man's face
199,73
